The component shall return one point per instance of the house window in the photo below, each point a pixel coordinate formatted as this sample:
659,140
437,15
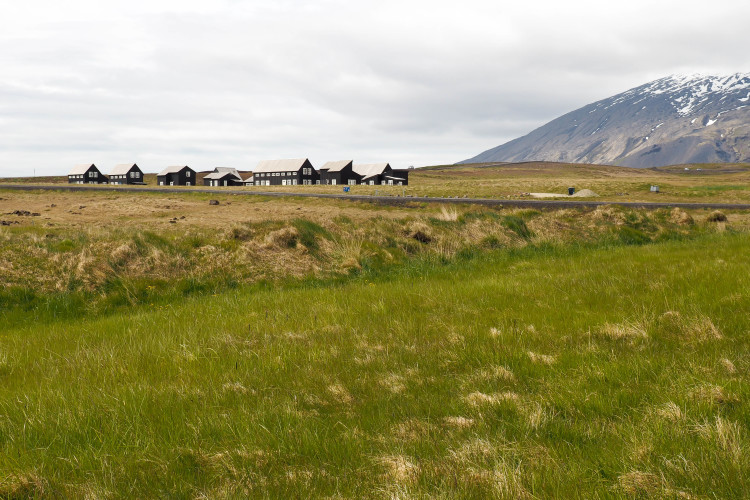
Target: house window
352,182
317,182
372,183
333,182
283,182
161,183
294,182
400,183
187,183
187,174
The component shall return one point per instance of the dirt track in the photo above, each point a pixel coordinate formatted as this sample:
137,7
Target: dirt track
390,200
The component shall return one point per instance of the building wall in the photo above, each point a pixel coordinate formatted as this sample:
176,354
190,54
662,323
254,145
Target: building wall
180,178
128,178
287,177
88,178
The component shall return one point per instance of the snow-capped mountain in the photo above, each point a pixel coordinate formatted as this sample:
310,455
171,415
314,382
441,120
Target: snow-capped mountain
673,120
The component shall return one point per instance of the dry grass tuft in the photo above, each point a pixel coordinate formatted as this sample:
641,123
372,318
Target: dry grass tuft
481,399
400,469
340,394
728,436
286,237
536,416
671,412
459,422
235,387
728,366
412,430
713,394
639,484
26,486
679,216
543,359
694,329
629,331
394,383
609,213
448,214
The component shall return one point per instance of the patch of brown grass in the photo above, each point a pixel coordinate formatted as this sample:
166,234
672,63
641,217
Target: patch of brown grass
400,469
697,328
628,331
478,399
639,484
340,393
543,359
459,422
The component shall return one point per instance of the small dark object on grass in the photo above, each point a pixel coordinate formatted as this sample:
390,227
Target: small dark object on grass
717,216
173,222
213,202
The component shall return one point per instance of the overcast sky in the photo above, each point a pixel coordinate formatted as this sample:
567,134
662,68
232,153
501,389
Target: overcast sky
412,82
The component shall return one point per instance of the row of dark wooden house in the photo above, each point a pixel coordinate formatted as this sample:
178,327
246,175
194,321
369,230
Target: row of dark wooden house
267,173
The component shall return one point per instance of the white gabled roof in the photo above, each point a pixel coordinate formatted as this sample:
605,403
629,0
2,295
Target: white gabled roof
370,169
81,169
220,172
336,166
280,165
122,168
172,170
249,179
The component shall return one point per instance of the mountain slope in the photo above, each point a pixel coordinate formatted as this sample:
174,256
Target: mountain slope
673,120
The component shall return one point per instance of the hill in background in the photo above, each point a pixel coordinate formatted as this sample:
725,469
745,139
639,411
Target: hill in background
674,120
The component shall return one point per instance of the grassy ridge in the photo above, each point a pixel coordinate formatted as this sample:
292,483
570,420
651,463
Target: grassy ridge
59,271
535,372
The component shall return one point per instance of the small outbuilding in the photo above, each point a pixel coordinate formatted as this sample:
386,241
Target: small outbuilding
285,173
381,174
126,173
176,176
86,173
223,176
339,172
249,181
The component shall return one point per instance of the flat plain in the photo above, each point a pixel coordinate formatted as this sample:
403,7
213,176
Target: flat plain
153,345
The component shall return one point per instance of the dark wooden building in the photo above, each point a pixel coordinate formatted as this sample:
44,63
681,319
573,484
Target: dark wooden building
223,176
381,174
126,173
176,176
285,173
339,172
86,173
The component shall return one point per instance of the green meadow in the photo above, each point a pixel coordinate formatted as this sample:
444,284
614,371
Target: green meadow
610,369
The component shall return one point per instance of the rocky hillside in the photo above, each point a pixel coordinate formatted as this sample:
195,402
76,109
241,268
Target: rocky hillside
674,120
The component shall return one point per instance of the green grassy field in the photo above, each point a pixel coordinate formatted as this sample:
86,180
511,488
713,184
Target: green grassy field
600,369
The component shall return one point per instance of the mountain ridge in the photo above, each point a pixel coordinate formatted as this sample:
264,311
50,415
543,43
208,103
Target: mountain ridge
673,120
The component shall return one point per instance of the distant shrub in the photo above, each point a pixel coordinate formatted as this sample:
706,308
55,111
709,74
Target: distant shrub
631,236
716,216
518,226
308,231
491,242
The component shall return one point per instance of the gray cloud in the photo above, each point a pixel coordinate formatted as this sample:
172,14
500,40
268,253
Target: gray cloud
411,82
